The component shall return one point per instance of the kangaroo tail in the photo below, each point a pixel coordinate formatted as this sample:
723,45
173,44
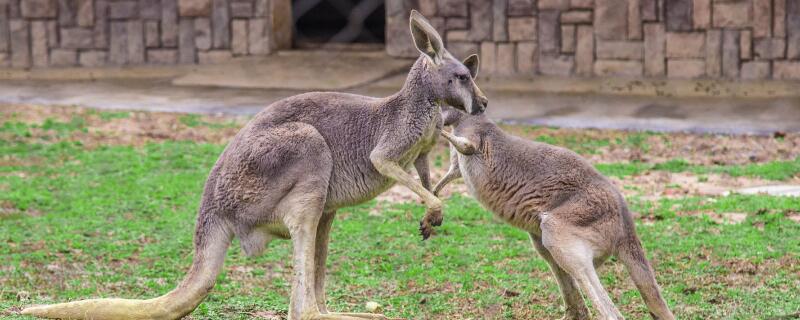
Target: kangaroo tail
632,256
212,239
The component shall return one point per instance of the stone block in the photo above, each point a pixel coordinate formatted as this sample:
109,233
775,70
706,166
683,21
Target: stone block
499,20
187,52
456,35
521,8
396,23
151,36
92,58
202,33
162,56
67,13
526,57
456,23
582,4
220,24
731,14
150,9
629,50
239,36
461,50
241,9
522,29
39,51
755,70
769,48
20,46
649,10
618,68
257,37
730,53
713,53
14,11
169,23
701,14
686,68
37,9
678,14
556,65
64,57
553,4
85,14
789,70
480,12
762,18
214,56
488,57
746,44
686,44
4,30
792,29
123,9
576,16
262,8
52,33
77,38
100,29
452,8
611,19
136,51
634,20
427,8
584,50
549,32
506,63
779,18
118,43
654,49
194,8
567,38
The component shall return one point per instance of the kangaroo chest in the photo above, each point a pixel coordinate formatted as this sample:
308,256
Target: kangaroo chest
508,198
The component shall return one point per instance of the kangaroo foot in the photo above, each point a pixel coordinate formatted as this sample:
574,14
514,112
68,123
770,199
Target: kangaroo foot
433,218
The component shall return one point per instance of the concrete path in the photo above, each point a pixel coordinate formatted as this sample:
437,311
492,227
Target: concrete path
697,106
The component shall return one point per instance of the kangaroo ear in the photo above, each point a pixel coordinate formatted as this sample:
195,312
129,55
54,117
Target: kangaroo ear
473,63
425,37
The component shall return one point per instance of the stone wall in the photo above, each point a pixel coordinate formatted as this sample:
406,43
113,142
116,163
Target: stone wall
737,39
42,33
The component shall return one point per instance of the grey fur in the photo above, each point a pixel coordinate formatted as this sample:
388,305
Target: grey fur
288,170
576,218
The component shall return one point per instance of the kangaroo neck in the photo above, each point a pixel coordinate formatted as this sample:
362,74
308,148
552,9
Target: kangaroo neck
418,92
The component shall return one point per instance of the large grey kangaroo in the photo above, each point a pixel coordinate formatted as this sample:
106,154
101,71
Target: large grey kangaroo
576,217
288,170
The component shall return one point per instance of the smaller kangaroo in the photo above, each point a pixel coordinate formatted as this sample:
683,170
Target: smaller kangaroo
575,216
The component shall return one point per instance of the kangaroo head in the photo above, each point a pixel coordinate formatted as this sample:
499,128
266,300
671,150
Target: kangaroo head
453,81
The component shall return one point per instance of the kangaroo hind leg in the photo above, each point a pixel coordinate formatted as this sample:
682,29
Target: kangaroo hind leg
576,256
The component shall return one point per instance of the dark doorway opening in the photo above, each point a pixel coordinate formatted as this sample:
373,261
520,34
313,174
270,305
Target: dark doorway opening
322,23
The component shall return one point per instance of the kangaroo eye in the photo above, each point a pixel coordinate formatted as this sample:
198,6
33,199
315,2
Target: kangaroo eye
461,77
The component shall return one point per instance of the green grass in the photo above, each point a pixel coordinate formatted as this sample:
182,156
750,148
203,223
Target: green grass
118,221
772,170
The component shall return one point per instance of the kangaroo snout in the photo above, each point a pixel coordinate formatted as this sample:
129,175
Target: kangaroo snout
481,102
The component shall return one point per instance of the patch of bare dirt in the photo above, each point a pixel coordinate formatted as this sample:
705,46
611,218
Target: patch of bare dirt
123,128
653,185
701,149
